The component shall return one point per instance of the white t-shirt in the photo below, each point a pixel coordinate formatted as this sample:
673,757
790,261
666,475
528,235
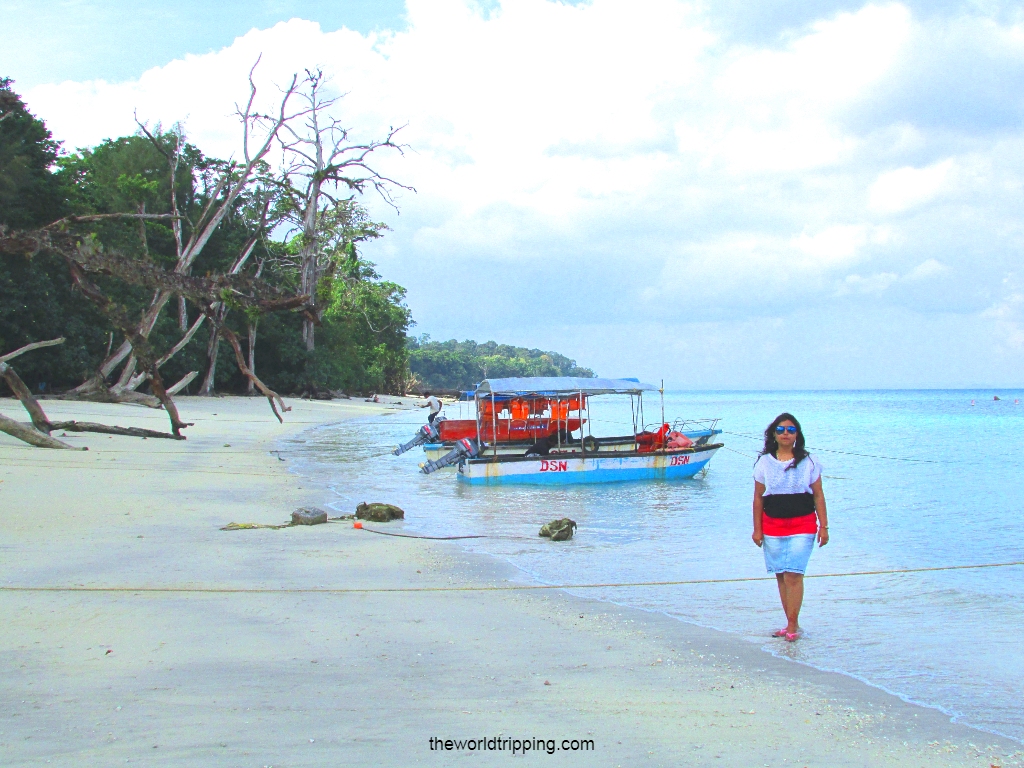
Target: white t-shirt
772,473
434,404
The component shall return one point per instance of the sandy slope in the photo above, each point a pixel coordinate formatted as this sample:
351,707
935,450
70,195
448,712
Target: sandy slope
319,679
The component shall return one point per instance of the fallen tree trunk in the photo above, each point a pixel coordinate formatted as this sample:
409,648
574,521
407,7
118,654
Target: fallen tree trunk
104,429
31,435
35,411
99,393
38,433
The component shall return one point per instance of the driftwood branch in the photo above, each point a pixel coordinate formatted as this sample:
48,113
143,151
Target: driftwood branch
31,435
29,347
97,392
35,410
39,433
90,426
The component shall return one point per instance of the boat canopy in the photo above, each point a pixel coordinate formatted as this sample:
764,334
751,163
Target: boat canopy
562,385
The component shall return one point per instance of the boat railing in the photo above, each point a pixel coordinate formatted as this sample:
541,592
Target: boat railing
695,425
685,425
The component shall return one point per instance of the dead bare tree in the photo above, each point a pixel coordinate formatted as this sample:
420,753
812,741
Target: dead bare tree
259,131
320,161
252,320
261,204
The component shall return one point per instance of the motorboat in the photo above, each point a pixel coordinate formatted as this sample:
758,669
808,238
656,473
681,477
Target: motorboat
538,430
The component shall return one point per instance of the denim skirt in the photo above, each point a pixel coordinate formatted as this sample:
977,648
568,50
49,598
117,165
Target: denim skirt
788,554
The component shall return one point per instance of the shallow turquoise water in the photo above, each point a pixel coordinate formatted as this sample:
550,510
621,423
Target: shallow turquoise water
948,639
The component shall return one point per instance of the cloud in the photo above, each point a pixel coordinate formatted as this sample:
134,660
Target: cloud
905,188
580,166
926,269
880,282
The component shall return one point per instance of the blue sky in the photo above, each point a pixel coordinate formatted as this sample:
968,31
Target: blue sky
46,41
726,195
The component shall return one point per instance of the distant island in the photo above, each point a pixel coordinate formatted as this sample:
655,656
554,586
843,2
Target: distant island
451,365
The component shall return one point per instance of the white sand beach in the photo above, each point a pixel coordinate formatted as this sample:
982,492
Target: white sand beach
292,677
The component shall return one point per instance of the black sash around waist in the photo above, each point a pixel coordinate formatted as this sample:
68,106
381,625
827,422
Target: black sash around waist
788,504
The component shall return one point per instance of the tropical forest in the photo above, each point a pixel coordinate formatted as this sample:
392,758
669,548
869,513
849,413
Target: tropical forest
165,270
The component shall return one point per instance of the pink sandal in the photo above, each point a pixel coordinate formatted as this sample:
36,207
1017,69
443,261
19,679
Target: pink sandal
779,632
791,637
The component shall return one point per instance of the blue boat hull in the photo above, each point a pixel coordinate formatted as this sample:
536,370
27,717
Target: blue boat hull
570,470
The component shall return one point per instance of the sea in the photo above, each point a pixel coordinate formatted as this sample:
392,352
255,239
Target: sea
928,479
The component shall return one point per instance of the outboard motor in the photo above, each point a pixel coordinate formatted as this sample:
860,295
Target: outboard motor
464,449
428,433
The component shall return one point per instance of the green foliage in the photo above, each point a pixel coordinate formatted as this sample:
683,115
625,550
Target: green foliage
36,298
118,176
37,302
362,342
463,364
30,195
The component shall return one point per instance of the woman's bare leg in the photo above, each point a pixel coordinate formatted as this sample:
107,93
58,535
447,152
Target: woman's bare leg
791,587
779,577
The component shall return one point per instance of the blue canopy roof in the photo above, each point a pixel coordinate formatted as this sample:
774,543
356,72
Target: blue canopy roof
562,385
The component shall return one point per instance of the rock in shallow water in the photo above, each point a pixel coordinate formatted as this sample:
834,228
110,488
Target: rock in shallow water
559,530
379,513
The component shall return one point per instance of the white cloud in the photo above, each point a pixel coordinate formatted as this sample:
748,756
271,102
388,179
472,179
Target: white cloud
609,156
882,281
872,284
926,269
906,188
835,245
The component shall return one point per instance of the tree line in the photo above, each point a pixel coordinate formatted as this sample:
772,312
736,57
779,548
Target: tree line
461,364
154,260
156,200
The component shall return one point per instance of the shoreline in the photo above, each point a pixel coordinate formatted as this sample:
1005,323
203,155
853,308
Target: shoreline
764,644
315,679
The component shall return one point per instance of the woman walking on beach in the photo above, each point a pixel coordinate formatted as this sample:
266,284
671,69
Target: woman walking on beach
789,513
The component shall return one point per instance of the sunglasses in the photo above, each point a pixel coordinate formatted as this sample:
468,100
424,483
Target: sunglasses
783,430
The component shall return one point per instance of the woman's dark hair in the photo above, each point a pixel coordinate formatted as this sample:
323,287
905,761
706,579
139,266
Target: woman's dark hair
771,445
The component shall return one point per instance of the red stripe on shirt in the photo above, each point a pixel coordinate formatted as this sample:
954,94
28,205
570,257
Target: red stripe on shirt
789,526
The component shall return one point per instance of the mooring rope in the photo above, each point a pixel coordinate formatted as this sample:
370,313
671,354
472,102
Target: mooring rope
346,518
442,538
504,588
844,453
749,456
